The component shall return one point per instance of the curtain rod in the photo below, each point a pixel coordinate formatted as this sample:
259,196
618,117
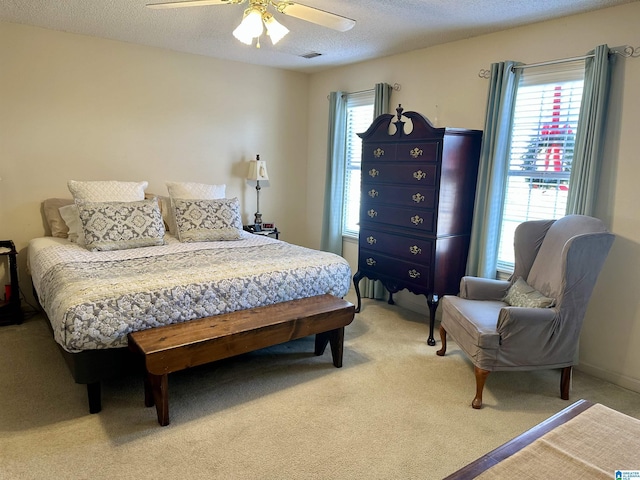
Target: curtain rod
395,86
356,93
626,51
552,62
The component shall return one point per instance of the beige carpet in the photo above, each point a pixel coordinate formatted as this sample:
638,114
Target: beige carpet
394,411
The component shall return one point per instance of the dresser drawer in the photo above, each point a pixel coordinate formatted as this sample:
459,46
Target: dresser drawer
414,219
379,152
415,196
422,152
403,173
379,265
418,250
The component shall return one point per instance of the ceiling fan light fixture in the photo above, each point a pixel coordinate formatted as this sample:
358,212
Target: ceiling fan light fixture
275,29
256,17
250,27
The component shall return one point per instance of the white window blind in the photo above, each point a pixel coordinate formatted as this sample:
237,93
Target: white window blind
359,118
542,144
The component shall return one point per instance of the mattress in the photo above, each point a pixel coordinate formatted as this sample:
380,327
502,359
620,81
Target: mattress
94,299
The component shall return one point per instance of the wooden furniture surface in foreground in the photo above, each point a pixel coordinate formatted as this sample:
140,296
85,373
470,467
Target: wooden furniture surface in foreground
494,457
179,346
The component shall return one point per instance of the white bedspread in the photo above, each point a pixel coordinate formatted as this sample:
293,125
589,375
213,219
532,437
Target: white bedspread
94,299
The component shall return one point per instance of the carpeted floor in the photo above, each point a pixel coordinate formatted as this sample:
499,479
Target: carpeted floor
394,411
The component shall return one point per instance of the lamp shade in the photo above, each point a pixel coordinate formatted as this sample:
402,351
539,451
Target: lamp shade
258,170
250,27
275,29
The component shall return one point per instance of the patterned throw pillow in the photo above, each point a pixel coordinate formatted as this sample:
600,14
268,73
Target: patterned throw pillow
121,225
208,220
190,191
521,294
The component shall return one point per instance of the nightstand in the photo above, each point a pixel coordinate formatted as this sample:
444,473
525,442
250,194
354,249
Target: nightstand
275,233
10,311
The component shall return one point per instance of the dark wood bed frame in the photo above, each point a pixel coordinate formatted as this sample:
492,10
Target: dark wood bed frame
92,367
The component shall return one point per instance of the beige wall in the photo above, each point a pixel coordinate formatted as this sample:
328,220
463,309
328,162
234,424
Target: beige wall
443,84
84,108
77,107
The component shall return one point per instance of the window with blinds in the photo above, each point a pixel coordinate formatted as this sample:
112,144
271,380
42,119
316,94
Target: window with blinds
543,134
359,118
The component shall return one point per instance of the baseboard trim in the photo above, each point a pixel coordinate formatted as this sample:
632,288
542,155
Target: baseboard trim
623,381
410,301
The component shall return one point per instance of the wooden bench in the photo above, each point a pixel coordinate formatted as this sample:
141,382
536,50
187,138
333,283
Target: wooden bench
179,346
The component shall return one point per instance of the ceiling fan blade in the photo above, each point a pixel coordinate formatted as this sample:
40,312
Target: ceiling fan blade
319,17
193,3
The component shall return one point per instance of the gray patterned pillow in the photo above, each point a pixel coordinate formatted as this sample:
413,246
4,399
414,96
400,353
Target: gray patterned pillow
521,294
208,220
121,225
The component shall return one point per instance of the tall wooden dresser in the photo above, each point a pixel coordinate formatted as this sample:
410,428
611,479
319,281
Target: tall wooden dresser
418,188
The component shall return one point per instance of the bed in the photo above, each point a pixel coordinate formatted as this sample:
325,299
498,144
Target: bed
94,299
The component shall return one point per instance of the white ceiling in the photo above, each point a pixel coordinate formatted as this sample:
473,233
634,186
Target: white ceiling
384,27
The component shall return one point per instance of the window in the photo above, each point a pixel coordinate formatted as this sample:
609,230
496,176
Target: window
359,118
544,127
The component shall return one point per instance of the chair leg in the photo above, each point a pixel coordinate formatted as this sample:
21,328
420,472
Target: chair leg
481,377
443,339
565,382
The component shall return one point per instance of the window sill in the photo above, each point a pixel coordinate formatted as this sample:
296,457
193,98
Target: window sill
350,238
504,274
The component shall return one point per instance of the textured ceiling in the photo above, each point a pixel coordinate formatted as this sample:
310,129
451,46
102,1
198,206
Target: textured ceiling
384,27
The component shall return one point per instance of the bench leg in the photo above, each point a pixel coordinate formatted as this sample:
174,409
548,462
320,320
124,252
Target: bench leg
156,390
336,338
148,392
322,339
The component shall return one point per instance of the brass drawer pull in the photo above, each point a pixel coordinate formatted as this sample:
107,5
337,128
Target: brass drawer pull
416,250
416,220
419,175
373,193
416,152
371,262
418,197
414,274
371,240
378,152
373,172
372,213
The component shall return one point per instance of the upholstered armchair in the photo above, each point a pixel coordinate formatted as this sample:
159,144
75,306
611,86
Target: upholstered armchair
532,321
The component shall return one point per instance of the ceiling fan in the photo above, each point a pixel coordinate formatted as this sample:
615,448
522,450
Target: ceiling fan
257,15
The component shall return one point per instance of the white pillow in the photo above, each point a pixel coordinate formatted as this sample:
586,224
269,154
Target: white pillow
187,191
107,191
71,217
195,191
